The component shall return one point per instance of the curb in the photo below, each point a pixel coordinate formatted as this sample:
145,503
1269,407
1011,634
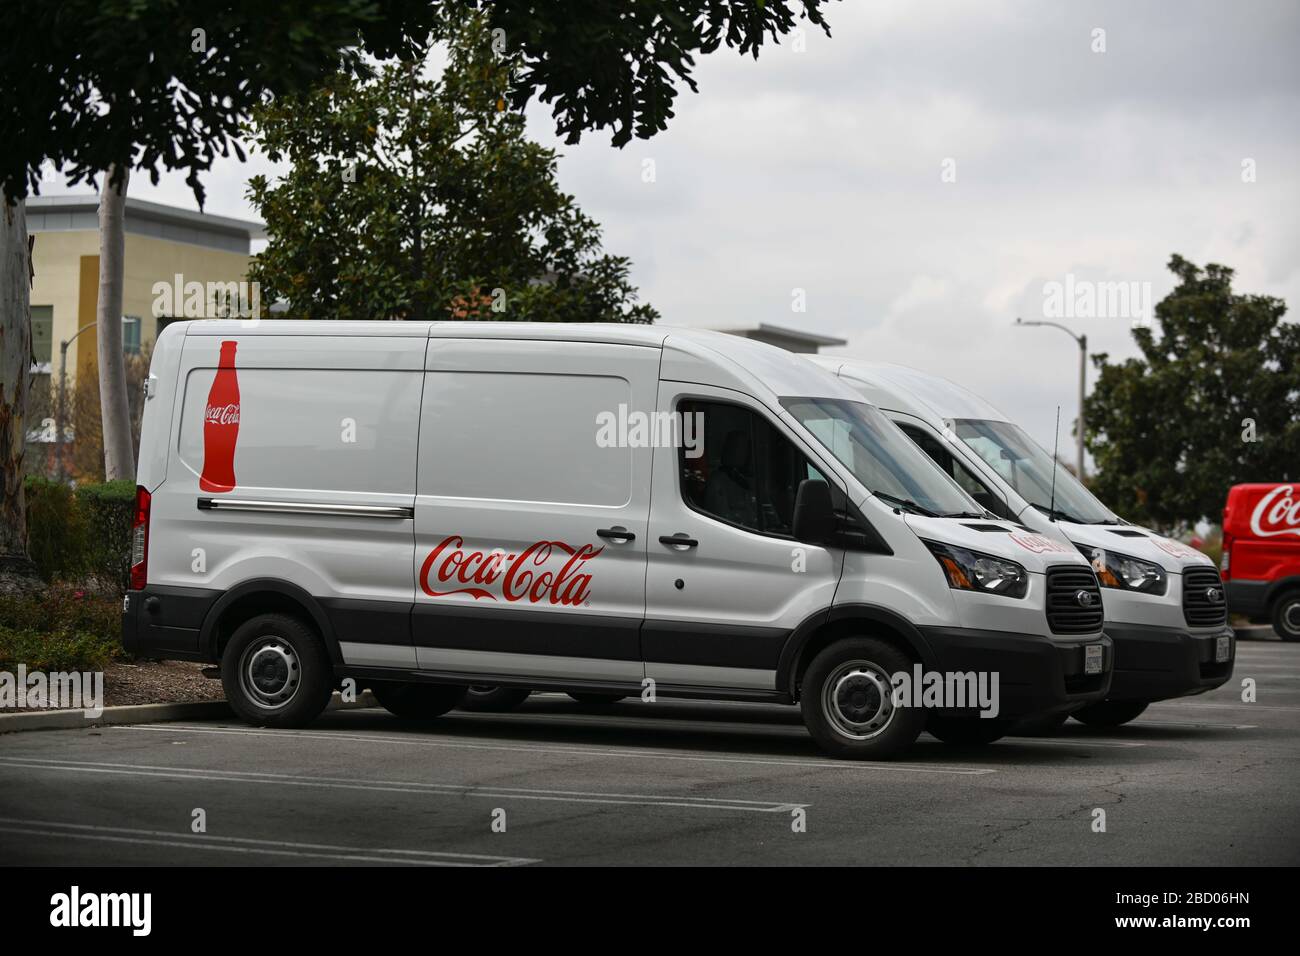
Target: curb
144,714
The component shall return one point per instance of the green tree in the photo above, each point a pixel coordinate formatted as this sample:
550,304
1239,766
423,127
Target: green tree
93,85
1170,431
410,196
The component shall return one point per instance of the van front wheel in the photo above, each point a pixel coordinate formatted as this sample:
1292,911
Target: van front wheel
847,701
276,672
412,701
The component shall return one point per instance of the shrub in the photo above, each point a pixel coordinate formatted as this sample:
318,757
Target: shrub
55,530
63,628
83,534
108,511
63,651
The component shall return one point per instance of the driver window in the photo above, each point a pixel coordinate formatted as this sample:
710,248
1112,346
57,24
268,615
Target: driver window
749,472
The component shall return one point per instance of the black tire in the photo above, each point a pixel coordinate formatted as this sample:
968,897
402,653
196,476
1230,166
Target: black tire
417,701
1110,713
496,700
597,700
972,731
276,672
842,690
1286,616
1039,726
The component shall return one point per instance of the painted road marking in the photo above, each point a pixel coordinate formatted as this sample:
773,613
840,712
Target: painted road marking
404,786
629,753
204,841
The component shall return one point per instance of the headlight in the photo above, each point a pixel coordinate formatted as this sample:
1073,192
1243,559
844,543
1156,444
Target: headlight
973,571
1127,574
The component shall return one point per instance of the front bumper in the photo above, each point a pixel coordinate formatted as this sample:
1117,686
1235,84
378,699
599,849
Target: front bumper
1157,663
1036,674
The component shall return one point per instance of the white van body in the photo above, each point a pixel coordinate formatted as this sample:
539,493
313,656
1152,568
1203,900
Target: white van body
446,504
1168,644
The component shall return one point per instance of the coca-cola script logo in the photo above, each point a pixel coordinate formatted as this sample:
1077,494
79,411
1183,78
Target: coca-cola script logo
223,414
1039,544
1278,512
1175,548
565,581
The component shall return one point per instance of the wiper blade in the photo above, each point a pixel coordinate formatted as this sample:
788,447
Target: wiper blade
907,503
1058,514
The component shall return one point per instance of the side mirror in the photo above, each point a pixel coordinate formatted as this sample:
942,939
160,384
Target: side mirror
814,517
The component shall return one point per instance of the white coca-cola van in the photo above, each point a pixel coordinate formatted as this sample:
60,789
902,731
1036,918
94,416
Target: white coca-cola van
597,509
1165,606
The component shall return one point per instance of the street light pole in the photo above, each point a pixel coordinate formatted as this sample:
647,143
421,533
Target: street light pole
1083,374
63,396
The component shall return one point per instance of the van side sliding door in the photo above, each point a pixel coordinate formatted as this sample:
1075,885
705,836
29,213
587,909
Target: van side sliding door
533,492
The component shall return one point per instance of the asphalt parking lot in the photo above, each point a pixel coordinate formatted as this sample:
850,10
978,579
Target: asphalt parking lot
1204,780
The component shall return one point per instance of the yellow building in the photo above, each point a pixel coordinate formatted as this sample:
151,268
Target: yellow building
164,244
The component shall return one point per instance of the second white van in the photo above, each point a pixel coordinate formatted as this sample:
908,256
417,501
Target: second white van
597,509
1165,607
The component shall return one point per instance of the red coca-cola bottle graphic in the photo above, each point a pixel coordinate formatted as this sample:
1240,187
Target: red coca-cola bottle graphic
221,425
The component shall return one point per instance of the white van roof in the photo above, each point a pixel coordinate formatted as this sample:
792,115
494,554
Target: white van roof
765,370
910,391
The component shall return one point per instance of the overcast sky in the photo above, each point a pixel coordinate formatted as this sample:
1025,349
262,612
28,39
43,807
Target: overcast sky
822,171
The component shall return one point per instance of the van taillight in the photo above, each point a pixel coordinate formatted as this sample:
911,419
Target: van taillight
1225,561
140,540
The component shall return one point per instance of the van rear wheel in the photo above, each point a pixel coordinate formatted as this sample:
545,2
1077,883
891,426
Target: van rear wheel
1110,713
847,701
1286,616
417,701
276,672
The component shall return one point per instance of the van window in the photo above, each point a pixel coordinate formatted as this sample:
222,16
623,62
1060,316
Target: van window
749,472
513,436
347,430
973,486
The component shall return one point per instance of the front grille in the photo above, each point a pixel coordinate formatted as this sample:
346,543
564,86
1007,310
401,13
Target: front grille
1203,603
1067,611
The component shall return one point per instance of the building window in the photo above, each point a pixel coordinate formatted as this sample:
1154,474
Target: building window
43,335
131,334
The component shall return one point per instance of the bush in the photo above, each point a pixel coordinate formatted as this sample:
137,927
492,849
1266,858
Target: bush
83,534
61,629
108,511
64,651
55,530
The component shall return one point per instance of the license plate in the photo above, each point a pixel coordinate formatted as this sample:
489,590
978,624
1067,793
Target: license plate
1092,658
1222,649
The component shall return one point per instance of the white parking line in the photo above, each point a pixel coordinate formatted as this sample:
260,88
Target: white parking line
621,753
204,841
1200,703
403,786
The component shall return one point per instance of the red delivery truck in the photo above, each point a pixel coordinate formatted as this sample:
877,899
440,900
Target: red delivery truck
1261,555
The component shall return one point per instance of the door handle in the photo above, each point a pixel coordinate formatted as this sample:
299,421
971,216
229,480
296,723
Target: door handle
679,540
616,534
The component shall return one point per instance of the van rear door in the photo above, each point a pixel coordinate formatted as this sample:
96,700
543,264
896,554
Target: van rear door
531,511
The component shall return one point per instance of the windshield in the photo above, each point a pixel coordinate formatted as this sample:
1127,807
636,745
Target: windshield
882,458
1028,469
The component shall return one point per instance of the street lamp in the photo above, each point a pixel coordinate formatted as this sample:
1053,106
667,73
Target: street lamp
1083,371
63,392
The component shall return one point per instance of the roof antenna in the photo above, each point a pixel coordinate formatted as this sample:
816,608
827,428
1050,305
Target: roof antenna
1056,444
